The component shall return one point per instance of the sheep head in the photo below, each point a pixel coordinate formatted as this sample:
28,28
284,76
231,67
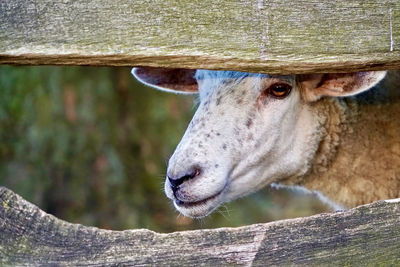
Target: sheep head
250,130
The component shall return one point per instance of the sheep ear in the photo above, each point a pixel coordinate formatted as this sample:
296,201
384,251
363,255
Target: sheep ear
170,80
314,86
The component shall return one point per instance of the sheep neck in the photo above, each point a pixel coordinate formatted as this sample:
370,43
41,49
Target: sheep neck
358,156
358,159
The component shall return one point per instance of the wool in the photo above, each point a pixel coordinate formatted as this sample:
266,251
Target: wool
358,159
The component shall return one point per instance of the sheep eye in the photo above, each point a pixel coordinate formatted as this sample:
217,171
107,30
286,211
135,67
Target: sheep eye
279,90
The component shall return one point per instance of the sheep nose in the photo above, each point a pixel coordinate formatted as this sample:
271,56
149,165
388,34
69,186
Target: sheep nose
175,182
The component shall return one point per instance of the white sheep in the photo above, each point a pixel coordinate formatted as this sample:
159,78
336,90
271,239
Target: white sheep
252,130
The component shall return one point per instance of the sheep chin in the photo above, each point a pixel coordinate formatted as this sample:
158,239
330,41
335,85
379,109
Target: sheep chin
199,209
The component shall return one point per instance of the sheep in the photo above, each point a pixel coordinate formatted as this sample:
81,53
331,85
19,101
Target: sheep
327,133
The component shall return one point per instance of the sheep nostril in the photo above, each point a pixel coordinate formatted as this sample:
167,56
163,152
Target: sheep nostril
176,182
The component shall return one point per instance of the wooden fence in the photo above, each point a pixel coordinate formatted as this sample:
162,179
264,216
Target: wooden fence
274,36
367,235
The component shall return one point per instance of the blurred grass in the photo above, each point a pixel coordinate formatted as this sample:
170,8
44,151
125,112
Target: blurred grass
90,146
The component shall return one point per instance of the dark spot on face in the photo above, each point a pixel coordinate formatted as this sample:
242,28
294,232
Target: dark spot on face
218,134
239,101
216,166
249,122
224,146
261,101
218,101
208,135
250,137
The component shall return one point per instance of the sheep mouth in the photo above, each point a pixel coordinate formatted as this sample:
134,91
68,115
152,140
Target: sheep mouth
202,202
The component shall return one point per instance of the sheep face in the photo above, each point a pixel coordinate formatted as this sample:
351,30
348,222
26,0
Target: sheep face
242,137
249,130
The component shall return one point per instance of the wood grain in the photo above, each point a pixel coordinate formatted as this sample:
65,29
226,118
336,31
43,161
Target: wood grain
364,236
274,36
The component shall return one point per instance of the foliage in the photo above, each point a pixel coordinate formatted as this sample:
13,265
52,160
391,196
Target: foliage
90,145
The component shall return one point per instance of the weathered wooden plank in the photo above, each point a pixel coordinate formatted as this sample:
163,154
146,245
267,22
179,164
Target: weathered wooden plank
367,235
275,36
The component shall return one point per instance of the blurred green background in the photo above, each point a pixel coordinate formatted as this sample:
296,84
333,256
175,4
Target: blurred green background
90,145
